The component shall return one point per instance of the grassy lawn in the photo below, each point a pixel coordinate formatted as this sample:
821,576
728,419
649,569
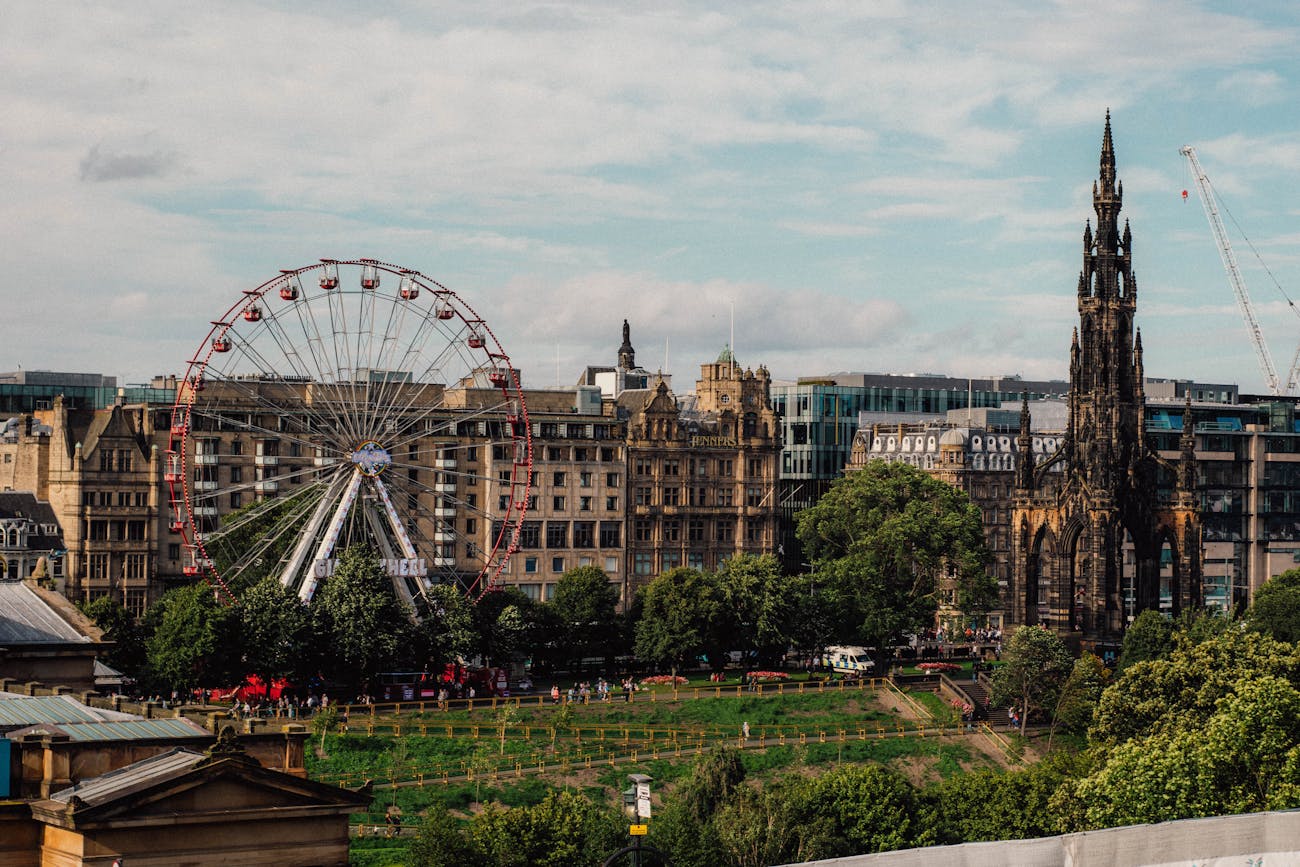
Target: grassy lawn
576,756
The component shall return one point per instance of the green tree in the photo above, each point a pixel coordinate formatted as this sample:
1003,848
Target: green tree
325,721
196,640
1276,609
1079,696
884,540
446,631
1244,758
683,615
357,618
1185,688
586,610
273,628
1035,664
443,843
685,828
564,830
504,622
1149,636
128,654
988,805
858,809
764,604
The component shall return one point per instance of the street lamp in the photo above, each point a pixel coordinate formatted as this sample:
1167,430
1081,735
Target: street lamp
636,804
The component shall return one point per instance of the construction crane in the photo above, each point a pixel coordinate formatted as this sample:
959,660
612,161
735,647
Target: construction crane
1208,201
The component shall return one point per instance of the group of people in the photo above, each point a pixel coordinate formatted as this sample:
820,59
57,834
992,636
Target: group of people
603,690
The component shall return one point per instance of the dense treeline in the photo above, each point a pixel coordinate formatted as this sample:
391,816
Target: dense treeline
880,542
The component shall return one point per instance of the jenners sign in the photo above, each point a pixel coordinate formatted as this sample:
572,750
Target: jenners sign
702,442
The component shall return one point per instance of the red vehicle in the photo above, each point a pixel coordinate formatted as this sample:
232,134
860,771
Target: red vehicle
253,689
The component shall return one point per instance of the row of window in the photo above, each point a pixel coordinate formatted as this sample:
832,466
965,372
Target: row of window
755,496
106,566
102,499
559,534
115,531
696,530
116,460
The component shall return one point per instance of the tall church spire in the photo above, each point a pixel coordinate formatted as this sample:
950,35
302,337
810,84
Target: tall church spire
626,354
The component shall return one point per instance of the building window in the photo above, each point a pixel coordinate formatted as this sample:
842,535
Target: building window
611,533
726,531
557,504
584,479
579,453
134,567
532,591
584,504
124,498
642,529
554,453
756,467
695,559
644,467
236,500
530,565
124,461
135,531
643,564
672,467
672,496
611,565
584,534
672,531
726,468
557,564
557,478
133,601
97,566
753,529
611,480
530,535
645,496
503,502
672,559
174,551
141,499
105,461
98,531
611,504
557,534
753,496
607,454
471,526
726,498
695,530
697,496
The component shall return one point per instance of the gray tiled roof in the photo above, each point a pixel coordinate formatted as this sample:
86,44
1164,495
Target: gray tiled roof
134,777
25,618
17,711
119,730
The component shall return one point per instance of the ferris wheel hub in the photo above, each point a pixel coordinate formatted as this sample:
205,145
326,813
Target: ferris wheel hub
371,458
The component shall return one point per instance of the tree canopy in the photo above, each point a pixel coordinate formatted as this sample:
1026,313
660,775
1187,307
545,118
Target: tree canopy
683,616
884,541
363,626
1276,609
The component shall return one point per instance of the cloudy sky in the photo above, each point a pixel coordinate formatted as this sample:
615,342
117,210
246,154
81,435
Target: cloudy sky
873,186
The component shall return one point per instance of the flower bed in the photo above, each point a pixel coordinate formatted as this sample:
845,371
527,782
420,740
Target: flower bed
663,679
936,667
768,675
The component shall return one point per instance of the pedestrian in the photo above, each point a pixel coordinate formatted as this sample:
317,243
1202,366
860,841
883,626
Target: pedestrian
555,694
744,729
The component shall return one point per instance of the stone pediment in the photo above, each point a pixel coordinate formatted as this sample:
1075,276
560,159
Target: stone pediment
187,787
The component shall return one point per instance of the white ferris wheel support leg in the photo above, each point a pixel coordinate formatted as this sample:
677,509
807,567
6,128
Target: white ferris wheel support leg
326,546
386,551
398,529
291,574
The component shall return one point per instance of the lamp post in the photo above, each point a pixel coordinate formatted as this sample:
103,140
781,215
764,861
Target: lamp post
636,804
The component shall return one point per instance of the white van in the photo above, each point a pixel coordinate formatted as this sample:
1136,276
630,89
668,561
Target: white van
849,660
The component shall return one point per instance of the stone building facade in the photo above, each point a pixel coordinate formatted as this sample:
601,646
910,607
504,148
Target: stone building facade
702,474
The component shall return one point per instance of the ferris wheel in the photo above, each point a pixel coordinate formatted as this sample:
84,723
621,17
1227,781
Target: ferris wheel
344,403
